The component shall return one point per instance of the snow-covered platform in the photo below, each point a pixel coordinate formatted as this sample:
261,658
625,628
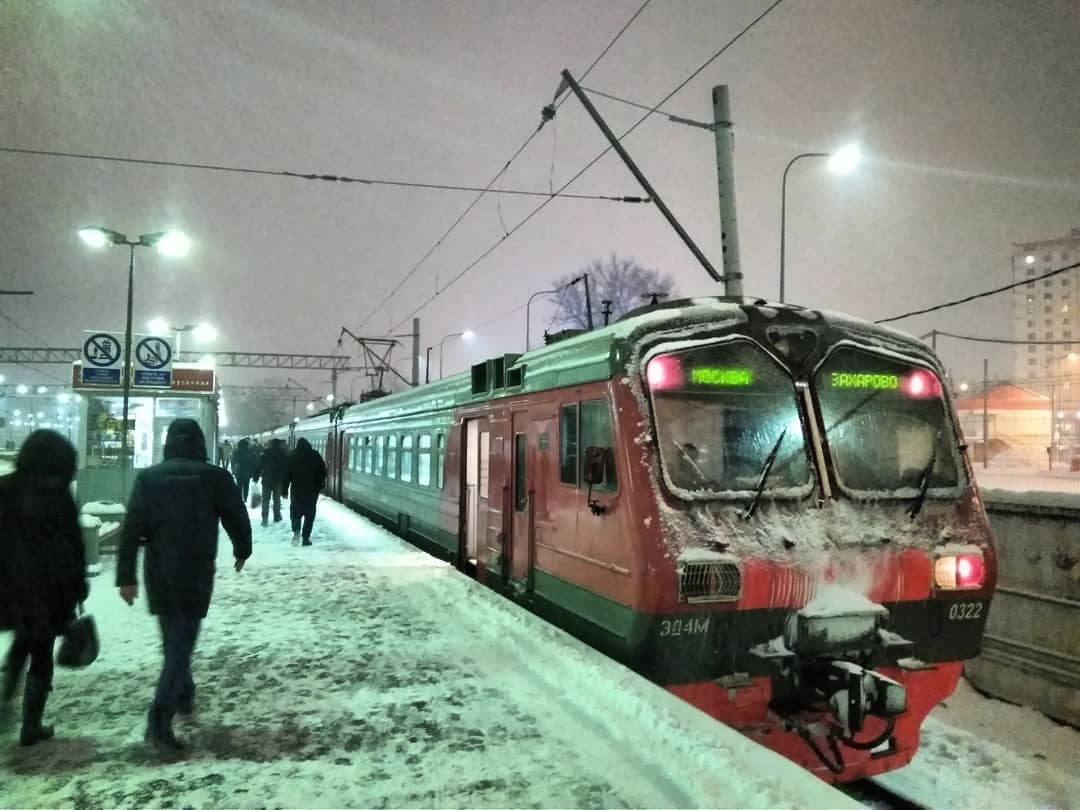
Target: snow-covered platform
361,672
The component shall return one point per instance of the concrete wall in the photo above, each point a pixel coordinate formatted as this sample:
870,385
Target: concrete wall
1031,650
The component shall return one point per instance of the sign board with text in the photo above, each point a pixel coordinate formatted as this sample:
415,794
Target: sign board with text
152,358
101,358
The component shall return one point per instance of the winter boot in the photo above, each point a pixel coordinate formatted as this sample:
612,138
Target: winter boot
34,697
306,542
264,522
159,734
296,538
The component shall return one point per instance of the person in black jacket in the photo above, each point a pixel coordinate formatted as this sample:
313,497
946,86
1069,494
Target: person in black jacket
242,467
271,470
305,474
174,512
42,570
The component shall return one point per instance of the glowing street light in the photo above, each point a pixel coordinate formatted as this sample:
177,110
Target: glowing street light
22,390
41,389
168,243
1029,259
468,334
311,406
842,161
330,398
845,159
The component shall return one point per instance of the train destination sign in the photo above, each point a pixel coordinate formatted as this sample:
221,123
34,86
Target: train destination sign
721,376
864,381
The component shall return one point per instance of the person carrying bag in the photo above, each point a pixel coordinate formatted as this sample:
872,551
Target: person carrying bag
42,571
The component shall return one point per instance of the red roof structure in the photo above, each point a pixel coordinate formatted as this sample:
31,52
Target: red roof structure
1006,397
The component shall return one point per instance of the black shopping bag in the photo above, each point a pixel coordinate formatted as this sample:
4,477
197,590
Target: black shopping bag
80,646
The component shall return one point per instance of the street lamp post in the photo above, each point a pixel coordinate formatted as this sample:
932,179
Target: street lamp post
529,304
842,161
466,335
168,243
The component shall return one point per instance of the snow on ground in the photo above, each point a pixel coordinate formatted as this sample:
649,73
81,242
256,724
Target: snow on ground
361,672
977,752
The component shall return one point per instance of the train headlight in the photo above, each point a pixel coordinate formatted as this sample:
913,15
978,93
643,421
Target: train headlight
955,572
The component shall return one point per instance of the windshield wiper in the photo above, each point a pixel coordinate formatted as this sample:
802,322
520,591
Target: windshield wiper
749,513
924,481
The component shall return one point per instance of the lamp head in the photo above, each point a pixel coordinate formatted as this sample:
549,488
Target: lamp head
845,159
173,244
97,237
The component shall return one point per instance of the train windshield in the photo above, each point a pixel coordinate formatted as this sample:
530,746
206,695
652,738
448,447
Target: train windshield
886,425
721,410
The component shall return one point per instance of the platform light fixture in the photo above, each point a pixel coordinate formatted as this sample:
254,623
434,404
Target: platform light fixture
170,243
840,161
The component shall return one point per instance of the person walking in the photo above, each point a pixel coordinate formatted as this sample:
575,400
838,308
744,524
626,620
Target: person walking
242,467
173,514
305,476
226,454
271,471
42,571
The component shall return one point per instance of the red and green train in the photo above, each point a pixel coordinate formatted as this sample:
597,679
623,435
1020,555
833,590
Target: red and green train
767,510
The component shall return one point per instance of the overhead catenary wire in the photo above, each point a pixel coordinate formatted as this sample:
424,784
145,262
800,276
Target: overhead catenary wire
333,178
968,298
593,162
544,118
1007,341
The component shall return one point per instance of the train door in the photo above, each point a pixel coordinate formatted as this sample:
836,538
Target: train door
475,492
533,439
342,461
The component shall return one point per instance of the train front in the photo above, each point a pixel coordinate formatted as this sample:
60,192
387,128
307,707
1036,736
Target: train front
833,561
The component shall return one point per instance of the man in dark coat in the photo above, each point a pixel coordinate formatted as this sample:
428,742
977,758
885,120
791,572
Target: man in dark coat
42,570
174,512
241,467
271,470
305,475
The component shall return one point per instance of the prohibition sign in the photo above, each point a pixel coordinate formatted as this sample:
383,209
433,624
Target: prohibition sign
153,353
102,350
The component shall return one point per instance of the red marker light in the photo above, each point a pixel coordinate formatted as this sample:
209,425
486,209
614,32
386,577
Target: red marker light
970,571
960,572
921,384
663,372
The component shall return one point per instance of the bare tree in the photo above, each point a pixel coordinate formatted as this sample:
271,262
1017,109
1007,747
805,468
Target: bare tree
622,281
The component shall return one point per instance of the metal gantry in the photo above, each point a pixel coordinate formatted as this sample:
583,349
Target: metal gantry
27,355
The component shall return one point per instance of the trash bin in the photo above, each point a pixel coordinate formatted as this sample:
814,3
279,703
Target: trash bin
91,525
109,517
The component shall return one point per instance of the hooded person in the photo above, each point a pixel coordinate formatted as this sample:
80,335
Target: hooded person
42,570
173,515
305,476
242,463
271,470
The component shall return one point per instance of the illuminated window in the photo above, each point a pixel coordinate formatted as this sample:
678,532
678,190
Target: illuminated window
423,460
391,457
406,458
440,452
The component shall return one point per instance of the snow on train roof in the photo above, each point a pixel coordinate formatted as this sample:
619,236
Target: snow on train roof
590,356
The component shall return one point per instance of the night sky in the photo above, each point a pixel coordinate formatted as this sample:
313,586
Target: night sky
967,112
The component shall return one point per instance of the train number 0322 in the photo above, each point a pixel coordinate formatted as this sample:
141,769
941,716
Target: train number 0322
965,611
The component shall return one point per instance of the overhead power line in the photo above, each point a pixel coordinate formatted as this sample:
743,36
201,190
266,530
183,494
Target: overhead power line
977,296
592,162
1009,341
332,178
544,118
